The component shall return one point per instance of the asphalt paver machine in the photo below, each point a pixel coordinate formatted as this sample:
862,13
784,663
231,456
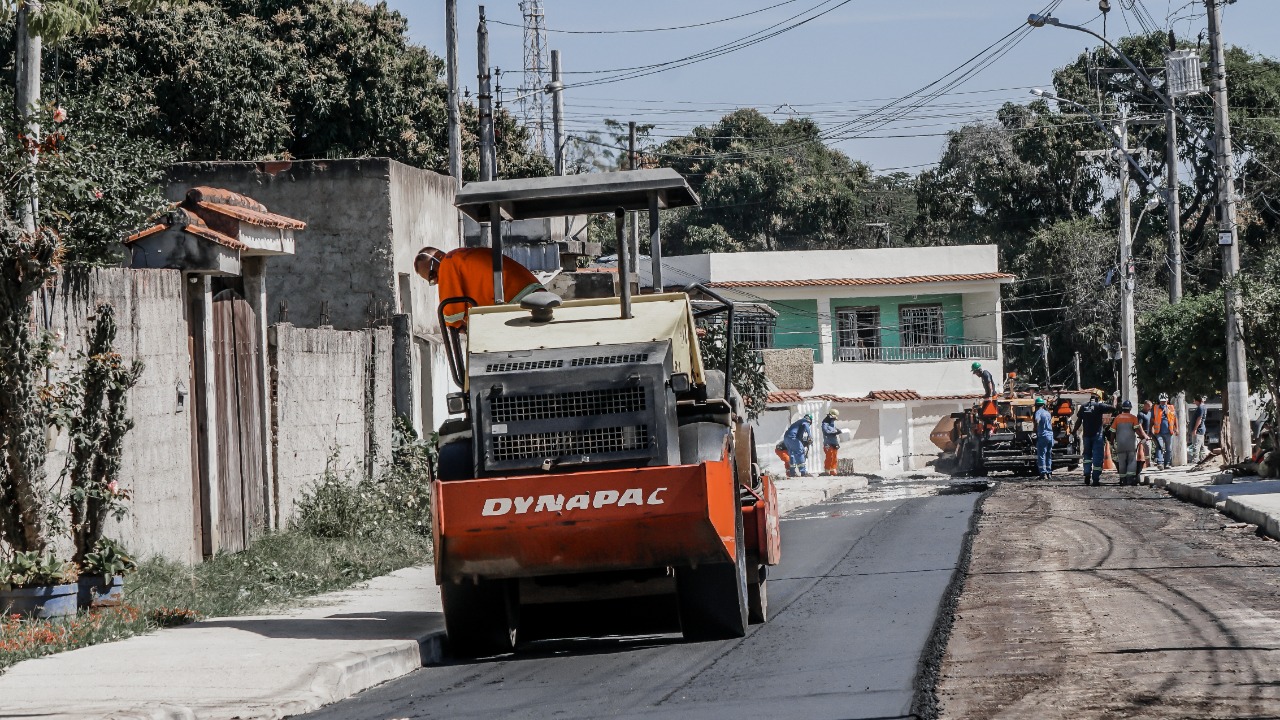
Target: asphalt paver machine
998,434
594,471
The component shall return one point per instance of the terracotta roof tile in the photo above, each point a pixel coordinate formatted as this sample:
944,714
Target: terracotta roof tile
893,395
832,282
220,196
188,222
253,217
158,227
784,397
208,233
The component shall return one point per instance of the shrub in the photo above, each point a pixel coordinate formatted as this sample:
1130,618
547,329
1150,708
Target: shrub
342,506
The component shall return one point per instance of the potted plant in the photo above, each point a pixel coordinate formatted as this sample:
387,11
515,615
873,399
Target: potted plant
102,574
37,585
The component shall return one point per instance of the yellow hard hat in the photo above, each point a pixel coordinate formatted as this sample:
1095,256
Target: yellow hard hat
833,412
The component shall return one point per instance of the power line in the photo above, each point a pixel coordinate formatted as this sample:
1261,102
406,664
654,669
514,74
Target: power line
659,29
739,44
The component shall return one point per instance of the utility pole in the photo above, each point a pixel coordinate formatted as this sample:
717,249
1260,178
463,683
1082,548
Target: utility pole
556,88
632,162
451,76
1079,382
1044,356
485,99
1182,79
1237,379
1172,203
1128,381
27,97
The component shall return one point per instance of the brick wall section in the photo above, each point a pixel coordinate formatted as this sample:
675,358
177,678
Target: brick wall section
156,466
332,406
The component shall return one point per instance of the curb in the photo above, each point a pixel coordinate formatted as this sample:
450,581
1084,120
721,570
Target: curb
331,682
792,494
341,679
1236,509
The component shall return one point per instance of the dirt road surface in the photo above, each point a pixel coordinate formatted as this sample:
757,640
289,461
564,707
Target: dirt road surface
1113,602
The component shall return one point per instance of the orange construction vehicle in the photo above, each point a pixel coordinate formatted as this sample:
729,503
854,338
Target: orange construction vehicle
592,460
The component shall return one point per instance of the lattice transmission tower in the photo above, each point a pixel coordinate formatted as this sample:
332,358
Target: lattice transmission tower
533,109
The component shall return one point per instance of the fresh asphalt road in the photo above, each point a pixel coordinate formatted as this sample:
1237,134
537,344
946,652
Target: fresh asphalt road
853,604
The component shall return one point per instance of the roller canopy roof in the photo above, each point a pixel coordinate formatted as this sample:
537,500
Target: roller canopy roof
575,194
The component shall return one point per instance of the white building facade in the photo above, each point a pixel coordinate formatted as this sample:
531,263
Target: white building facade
893,333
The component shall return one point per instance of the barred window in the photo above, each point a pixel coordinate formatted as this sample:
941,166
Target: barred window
754,328
857,333
921,325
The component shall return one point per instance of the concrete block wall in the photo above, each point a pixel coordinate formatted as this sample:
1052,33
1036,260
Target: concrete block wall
157,466
353,267
343,261
332,406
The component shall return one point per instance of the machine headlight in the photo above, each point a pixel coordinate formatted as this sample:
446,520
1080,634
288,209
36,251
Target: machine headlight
456,403
680,383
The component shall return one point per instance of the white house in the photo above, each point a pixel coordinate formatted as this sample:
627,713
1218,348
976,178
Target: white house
893,334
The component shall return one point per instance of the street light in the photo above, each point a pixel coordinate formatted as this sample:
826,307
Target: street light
1037,20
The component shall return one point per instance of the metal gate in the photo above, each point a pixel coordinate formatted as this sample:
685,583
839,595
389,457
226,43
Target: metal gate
242,510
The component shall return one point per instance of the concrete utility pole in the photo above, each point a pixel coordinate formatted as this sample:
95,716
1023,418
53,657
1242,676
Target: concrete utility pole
556,88
632,162
1044,356
1128,381
1079,382
1172,203
451,76
485,99
1228,236
27,98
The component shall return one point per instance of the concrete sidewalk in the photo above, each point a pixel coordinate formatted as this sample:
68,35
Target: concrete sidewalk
1244,499
270,666
242,667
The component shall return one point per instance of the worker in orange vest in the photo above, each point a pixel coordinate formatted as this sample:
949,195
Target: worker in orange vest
468,272
1164,426
1129,437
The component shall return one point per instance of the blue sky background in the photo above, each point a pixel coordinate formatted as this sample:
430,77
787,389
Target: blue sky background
834,68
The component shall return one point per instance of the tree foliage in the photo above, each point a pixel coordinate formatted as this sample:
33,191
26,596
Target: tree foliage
262,79
1020,182
773,186
1181,347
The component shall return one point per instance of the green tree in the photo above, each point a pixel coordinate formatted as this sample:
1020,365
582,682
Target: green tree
773,186
1181,347
263,79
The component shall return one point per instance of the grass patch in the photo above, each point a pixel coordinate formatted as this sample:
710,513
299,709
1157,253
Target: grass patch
347,530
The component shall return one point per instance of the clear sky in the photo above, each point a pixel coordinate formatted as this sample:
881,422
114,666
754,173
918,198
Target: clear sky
838,67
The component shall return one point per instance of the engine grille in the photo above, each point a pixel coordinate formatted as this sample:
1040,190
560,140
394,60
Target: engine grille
610,360
599,441
580,403
522,365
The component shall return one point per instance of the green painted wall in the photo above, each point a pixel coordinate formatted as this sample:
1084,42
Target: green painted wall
952,313
797,326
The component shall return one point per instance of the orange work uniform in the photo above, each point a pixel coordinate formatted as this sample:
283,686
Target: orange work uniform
468,272
831,459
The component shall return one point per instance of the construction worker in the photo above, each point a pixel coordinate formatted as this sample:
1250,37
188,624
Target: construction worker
781,451
797,438
1129,437
1092,440
1164,425
1199,427
1044,439
831,443
468,272
988,382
